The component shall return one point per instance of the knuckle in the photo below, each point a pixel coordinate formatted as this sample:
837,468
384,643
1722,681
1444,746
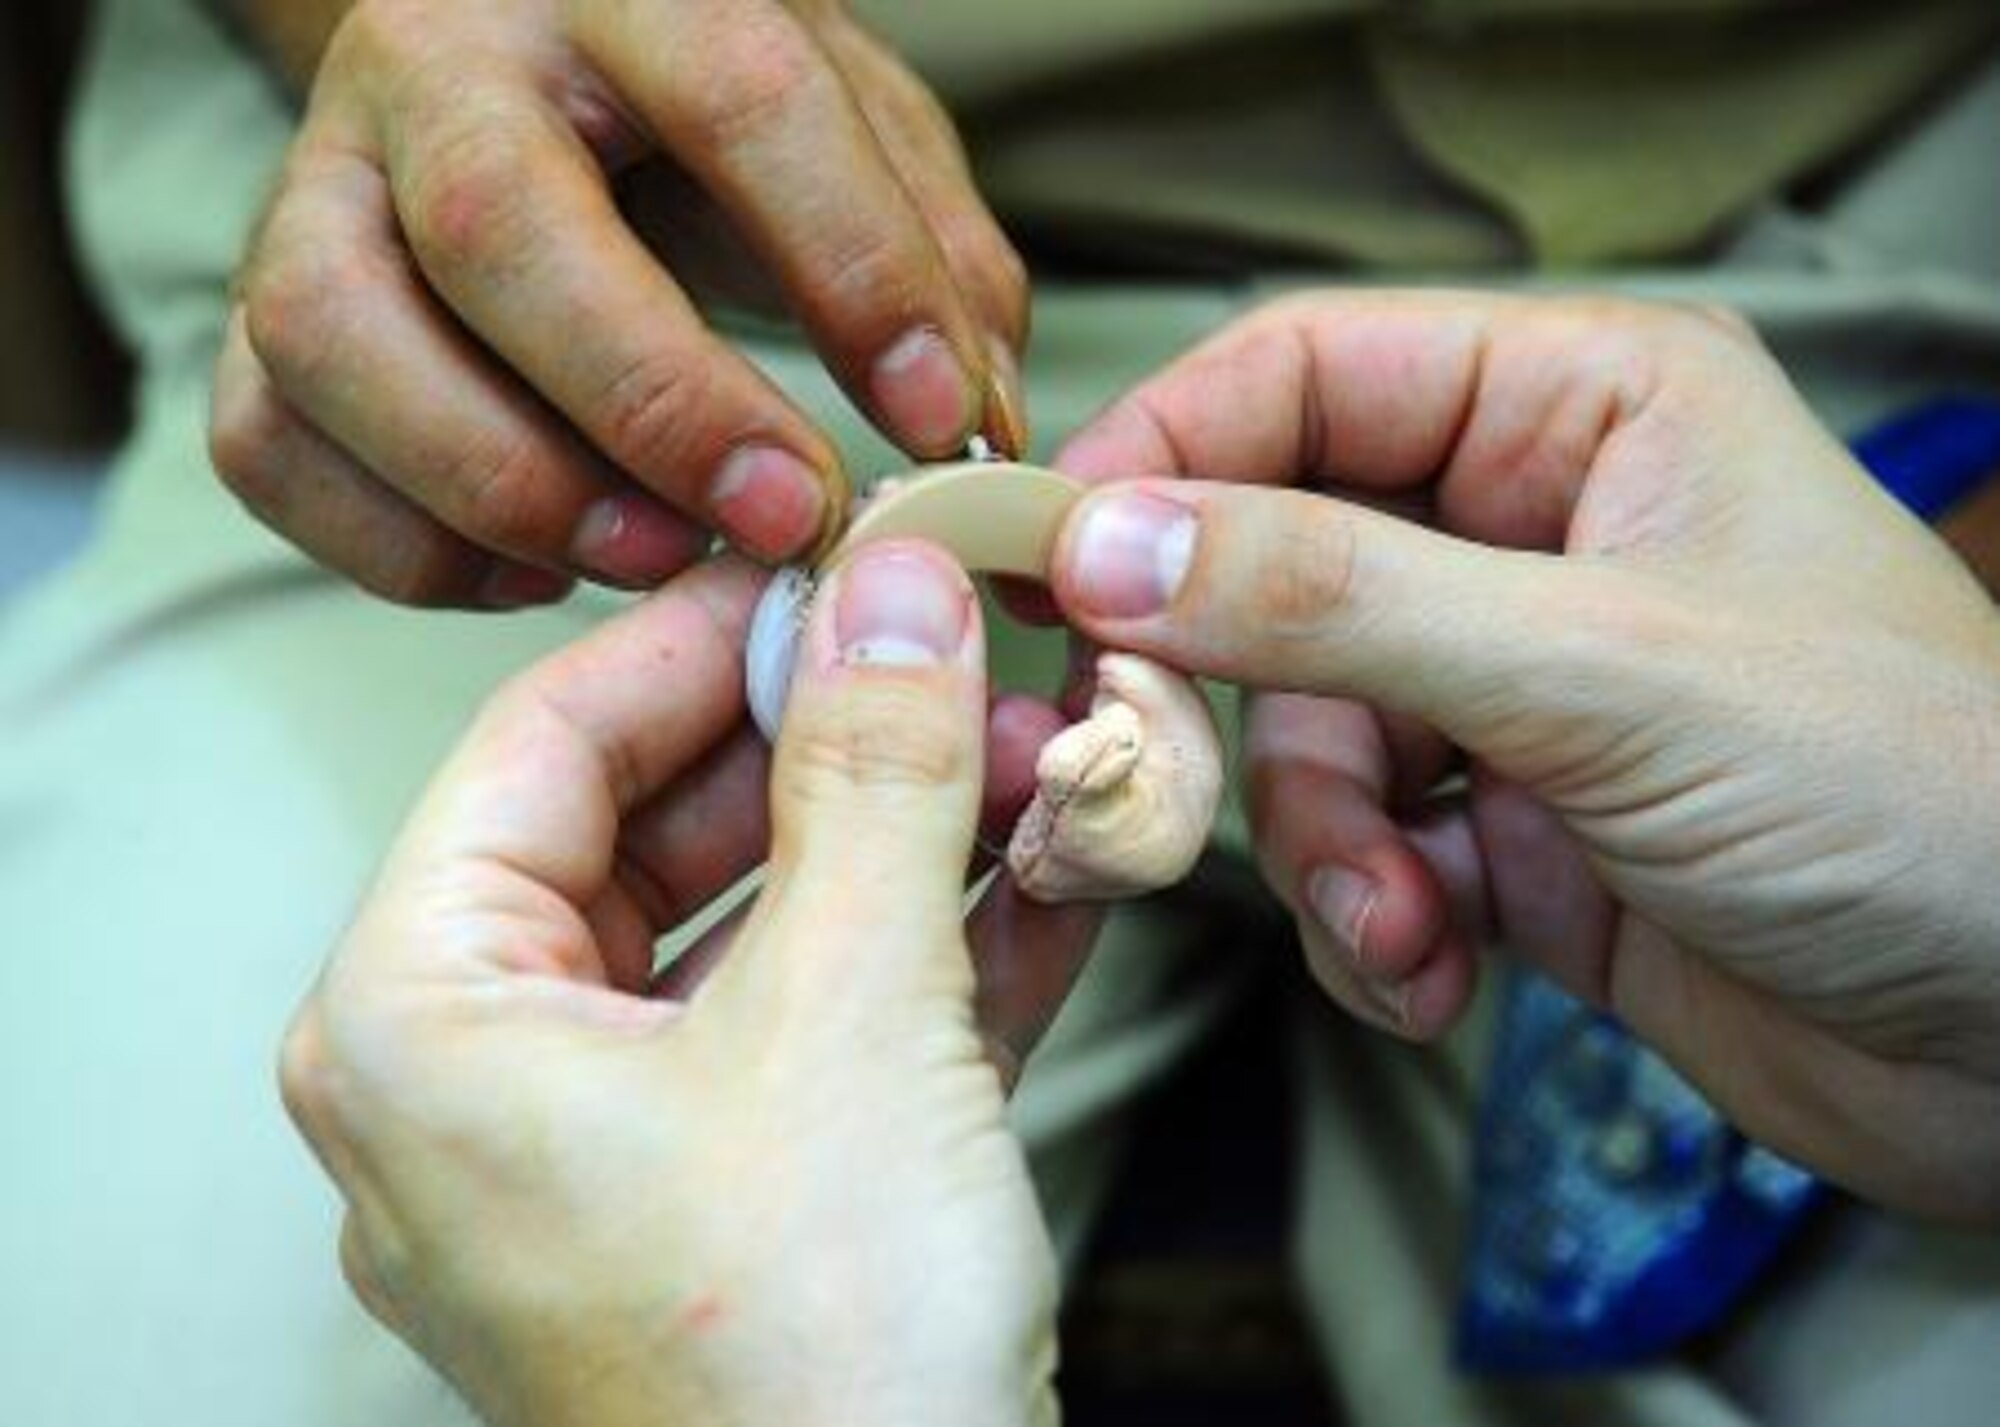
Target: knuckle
889,739
307,1077
1632,332
764,75
536,716
357,1269
1620,343
1730,321
372,1263
1607,310
498,488
425,571
246,431
1287,316
652,413
466,205
299,305
1303,576
878,269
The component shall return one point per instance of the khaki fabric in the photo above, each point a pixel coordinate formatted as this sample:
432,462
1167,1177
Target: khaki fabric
1668,128
207,742
1460,134
1410,135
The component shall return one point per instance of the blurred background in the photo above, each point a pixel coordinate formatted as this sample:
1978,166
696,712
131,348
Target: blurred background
62,378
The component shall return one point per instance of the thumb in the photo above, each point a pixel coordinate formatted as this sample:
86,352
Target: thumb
1287,590
875,785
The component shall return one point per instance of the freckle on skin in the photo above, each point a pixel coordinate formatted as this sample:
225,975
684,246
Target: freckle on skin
702,1315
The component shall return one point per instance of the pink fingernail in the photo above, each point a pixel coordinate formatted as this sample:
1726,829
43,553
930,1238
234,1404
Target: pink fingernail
1131,554
631,541
900,606
769,502
1343,901
924,394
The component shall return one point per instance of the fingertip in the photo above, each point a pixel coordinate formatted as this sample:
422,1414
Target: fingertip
876,778
727,589
925,393
773,503
1385,907
633,542
1419,1007
1383,942
1124,553
511,586
896,604
1436,994
883,729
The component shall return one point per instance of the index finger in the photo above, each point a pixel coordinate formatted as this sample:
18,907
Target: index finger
513,223
748,99
1501,403
540,786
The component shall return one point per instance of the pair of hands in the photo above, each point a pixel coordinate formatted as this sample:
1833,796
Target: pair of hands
466,363
1729,718
1724,756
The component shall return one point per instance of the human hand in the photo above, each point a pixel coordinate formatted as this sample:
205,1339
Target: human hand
1733,718
454,371
778,1187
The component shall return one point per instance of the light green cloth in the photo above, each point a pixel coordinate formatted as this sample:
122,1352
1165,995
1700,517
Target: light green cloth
207,742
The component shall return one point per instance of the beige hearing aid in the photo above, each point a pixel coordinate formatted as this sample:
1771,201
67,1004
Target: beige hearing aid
1125,799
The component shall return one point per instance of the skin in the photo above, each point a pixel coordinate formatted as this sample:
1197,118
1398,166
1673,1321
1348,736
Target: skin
467,363
1973,530
586,1201
1731,719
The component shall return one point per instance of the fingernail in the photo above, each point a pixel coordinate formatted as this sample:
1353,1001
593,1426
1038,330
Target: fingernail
631,541
1131,554
924,393
511,586
1396,1003
901,607
1343,901
1005,425
769,502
